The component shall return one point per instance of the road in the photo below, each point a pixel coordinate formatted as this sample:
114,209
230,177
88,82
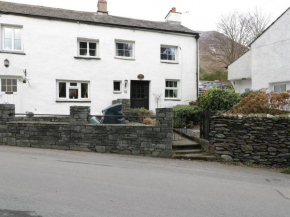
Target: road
52,183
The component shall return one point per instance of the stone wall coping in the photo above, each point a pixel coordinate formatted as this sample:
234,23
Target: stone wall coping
38,122
66,123
240,116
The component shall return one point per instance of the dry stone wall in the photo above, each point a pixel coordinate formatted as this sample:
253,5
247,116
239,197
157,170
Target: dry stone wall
260,139
147,140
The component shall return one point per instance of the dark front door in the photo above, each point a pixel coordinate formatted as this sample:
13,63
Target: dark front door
140,94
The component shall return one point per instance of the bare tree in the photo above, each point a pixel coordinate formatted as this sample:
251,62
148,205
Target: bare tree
235,33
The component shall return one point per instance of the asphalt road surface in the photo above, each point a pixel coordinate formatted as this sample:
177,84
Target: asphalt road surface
51,183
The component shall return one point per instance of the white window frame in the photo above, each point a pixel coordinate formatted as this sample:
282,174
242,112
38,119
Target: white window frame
68,87
176,53
13,37
125,42
279,84
119,81
173,88
85,40
4,92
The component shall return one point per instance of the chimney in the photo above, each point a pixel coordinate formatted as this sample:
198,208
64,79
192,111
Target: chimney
102,7
173,17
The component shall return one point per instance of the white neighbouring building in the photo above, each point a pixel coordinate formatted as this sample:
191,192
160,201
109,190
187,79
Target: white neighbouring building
267,64
92,58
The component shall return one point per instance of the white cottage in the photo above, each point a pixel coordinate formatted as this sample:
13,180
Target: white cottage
82,58
266,65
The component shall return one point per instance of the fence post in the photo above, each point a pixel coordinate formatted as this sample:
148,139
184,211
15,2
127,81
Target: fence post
79,115
7,113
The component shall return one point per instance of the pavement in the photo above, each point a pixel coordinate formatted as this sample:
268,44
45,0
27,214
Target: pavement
53,183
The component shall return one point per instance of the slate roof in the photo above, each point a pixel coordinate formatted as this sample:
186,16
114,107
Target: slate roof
90,18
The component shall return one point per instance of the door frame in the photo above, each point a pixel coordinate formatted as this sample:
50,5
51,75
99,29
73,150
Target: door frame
148,91
18,106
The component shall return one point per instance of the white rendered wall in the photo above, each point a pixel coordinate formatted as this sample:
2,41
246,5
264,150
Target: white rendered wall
50,47
241,86
271,54
241,68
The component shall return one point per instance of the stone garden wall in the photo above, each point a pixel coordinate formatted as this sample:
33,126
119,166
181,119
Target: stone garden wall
258,139
44,119
147,140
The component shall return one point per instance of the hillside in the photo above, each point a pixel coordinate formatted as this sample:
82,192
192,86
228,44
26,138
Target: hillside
207,62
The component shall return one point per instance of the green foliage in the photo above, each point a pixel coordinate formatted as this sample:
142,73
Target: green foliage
186,115
286,170
220,75
217,100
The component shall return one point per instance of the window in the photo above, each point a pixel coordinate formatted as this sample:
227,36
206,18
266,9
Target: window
278,88
88,48
171,89
124,49
168,53
117,86
12,39
8,85
72,90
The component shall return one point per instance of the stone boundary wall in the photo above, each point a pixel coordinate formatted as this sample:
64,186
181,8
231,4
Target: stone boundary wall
146,140
259,139
44,119
6,113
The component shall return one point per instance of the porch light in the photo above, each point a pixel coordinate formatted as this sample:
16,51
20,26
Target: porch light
126,83
6,63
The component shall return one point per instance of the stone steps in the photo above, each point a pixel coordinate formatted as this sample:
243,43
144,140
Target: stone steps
197,156
187,151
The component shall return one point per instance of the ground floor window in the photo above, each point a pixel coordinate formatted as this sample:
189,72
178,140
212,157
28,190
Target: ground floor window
8,85
171,89
278,88
73,90
117,86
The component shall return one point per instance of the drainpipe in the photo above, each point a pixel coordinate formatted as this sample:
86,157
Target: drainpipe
197,62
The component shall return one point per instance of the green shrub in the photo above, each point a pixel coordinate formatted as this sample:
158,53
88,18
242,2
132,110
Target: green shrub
286,170
186,115
217,100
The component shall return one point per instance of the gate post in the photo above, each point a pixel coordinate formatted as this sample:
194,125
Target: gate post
79,115
7,113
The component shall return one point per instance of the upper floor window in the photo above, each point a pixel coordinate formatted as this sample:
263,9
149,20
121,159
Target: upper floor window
278,88
73,90
12,39
168,53
88,48
125,49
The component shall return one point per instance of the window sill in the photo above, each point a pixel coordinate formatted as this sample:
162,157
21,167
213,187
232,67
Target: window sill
12,52
72,101
172,99
169,62
117,92
125,58
87,58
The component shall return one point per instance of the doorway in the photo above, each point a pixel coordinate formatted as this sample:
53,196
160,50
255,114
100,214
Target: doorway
140,94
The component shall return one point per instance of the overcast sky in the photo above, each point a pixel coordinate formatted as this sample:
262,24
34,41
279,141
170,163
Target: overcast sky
198,15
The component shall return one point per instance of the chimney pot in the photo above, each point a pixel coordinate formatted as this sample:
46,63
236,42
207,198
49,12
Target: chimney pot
173,10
